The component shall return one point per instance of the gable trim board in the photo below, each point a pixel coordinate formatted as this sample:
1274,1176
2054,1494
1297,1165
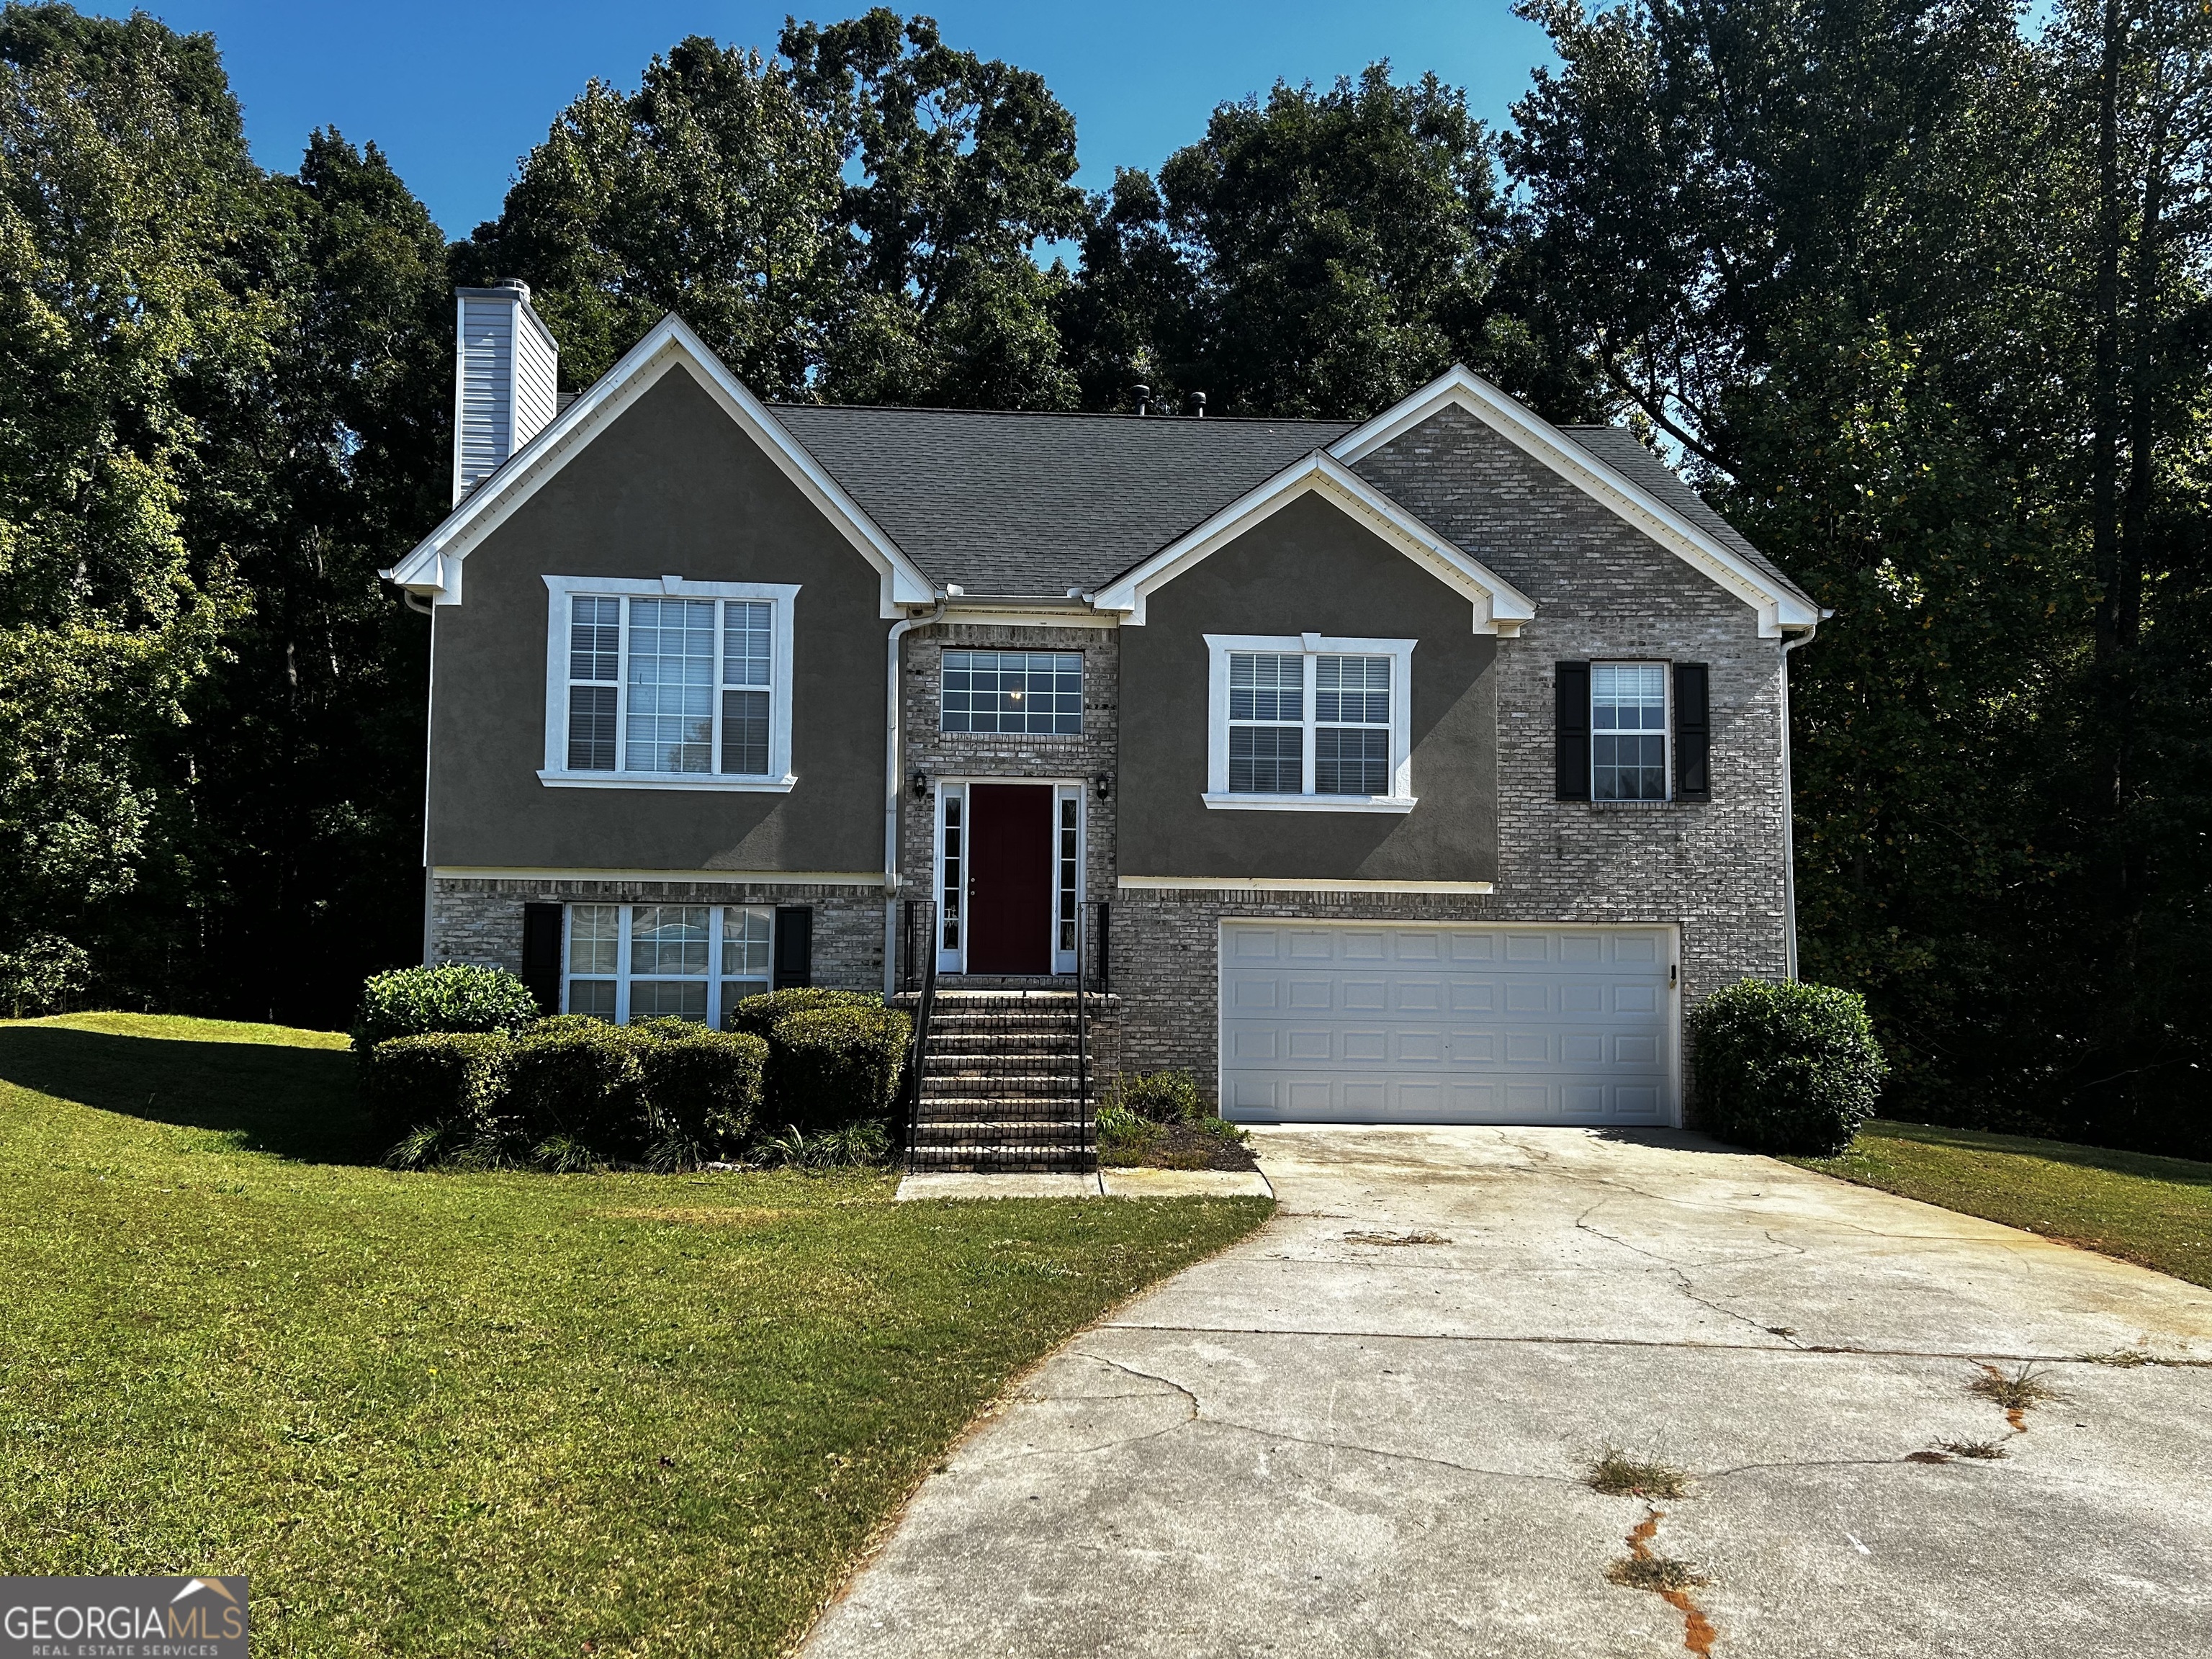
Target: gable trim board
433,566
1498,607
1780,607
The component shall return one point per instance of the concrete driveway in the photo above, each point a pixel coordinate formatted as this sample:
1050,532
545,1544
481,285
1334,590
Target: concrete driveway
1325,1441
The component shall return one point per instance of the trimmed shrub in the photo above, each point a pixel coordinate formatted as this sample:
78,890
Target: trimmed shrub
704,1089
414,1001
1783,1066
581,1084
449,1082
1158,1097
757,1014
553,1023
830,1065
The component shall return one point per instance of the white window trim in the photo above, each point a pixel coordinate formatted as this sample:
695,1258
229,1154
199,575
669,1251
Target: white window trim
1218,798
779,778
622,977
1666,732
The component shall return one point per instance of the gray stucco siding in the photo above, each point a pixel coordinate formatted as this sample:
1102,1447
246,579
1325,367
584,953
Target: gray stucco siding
671,486
1309,567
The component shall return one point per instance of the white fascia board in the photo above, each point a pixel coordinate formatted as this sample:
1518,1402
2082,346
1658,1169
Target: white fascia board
433,566
1778,608
1498,606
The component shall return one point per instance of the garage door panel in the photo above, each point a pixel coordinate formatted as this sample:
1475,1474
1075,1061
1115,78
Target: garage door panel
1444,1024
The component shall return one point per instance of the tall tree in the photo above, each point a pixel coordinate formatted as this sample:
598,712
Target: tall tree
129,232
711,190
1846,257
965,165
1318,252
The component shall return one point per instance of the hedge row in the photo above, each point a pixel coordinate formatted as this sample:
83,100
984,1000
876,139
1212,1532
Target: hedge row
573,1091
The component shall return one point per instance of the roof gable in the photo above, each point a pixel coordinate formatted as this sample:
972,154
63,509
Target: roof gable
433,566
1497,606
1601,470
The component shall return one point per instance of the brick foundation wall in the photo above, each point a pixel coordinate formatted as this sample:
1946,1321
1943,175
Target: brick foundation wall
479,920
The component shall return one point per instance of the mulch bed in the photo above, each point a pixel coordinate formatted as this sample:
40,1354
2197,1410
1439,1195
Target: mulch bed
1187,1146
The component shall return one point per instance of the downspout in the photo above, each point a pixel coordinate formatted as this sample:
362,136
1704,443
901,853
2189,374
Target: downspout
1790,643
900,629
429,691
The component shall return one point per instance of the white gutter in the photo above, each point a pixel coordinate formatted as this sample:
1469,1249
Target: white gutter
891,782
1790,643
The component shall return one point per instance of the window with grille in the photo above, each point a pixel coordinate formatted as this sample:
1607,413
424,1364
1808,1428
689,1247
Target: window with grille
1037,692
685,687
696,962
1310,721
1628,731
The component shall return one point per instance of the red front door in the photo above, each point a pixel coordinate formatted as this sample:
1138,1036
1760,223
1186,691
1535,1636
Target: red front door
1009,878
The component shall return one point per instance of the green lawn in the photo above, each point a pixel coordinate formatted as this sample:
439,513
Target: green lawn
447,1414
2155,1210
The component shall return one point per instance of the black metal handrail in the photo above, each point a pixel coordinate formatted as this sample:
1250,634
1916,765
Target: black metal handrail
1082,1039
924,1007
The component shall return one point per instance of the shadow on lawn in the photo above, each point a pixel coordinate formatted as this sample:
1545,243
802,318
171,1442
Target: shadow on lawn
295,1103
2181,1171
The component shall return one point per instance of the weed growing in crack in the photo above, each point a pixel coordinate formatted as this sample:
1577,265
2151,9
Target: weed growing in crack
1395,1238
2016,1392
1983,1451
1617,1474
1660,1573
1926,1457
2129,1358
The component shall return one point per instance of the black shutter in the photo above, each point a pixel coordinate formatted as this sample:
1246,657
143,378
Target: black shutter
541,954
1694,734
1573,731
794,945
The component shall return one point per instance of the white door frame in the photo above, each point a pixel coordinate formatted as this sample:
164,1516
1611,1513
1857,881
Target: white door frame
1671,1108
955,960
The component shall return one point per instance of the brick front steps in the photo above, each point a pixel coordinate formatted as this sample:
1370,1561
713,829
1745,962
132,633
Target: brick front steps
1001,1089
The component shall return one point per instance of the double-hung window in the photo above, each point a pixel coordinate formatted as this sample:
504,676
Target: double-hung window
1308,723
696,962
668,684
1628,731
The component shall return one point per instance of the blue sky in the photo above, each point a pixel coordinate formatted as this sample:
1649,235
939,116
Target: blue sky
455,93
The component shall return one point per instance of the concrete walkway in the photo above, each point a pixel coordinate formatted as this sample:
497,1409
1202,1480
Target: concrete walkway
1363,1431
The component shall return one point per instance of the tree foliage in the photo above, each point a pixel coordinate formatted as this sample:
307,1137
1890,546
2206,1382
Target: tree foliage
1318,252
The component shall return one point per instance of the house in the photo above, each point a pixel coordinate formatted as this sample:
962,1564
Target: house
1421,768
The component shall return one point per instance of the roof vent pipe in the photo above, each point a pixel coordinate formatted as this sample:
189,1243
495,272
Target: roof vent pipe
1197,405
506,379
1143,398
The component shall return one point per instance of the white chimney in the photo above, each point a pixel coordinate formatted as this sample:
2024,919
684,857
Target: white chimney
506,384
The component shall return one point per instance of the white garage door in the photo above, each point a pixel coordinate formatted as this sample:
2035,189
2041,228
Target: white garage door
1337,1023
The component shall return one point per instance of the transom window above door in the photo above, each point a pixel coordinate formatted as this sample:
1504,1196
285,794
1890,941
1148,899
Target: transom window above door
1037,692
668,684
1308,723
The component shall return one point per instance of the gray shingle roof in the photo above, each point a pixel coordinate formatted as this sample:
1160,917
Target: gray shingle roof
1626,453
1033,505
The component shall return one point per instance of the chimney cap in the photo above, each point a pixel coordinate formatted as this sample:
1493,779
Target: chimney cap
516,284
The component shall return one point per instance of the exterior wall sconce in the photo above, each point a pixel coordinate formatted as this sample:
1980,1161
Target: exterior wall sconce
1103,783
920,781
